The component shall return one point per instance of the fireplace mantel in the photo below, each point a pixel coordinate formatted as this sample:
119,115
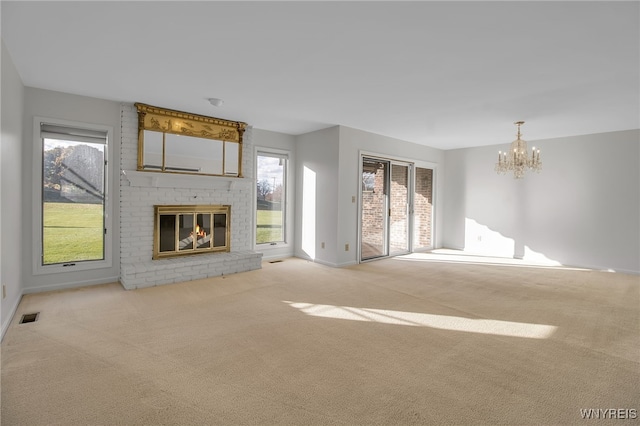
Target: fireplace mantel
165,180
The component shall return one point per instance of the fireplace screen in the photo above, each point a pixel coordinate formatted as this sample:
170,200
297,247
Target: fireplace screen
184,230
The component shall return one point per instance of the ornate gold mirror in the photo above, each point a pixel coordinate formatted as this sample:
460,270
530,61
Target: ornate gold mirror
179,142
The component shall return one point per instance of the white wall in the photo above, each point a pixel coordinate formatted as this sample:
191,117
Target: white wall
64,106
11,114
481,206
266,139
316,195
352,141
583,209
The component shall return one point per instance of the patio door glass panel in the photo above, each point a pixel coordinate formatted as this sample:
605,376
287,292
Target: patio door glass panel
399,209
374,209
423,209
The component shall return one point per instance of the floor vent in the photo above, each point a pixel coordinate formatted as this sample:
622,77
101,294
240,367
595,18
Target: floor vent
29,318
275,261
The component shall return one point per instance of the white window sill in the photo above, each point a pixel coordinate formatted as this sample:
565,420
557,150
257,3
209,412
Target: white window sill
71,266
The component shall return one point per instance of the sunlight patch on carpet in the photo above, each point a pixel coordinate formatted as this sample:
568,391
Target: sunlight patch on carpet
442,322
457,256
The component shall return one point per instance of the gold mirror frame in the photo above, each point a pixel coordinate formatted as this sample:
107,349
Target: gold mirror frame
169,121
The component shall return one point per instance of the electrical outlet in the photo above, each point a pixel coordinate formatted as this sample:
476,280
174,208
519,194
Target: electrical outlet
353,198
346,247
322,244
479,237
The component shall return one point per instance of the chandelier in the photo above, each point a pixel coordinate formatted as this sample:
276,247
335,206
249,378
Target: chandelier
517,159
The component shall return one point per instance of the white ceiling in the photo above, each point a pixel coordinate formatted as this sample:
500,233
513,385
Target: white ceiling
442,74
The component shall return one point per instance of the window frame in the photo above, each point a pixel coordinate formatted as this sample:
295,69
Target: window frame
37,205
286,155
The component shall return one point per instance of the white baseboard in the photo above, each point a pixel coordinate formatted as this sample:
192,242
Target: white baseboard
275,256
321,262
325,263
74,284
6,325
302,256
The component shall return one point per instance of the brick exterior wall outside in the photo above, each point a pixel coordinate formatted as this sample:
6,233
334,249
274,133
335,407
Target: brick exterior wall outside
373,214
423,208
399,213
137,269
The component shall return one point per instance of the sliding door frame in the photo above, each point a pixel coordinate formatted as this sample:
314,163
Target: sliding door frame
413,164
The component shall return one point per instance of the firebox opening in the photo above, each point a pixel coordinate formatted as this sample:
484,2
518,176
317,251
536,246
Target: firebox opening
191,229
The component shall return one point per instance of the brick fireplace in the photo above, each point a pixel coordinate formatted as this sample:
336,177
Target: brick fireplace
141,191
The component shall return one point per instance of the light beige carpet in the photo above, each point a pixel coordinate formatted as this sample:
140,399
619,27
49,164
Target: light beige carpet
392,342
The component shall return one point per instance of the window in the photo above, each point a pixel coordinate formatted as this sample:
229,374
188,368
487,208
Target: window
72,197
271,197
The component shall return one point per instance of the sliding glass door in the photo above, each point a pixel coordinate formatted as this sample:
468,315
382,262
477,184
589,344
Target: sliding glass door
396,208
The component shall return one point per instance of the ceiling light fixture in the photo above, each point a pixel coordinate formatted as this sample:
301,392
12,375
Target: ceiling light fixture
215,102
517,158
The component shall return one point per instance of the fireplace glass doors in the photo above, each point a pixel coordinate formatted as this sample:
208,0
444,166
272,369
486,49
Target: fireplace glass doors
186,230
